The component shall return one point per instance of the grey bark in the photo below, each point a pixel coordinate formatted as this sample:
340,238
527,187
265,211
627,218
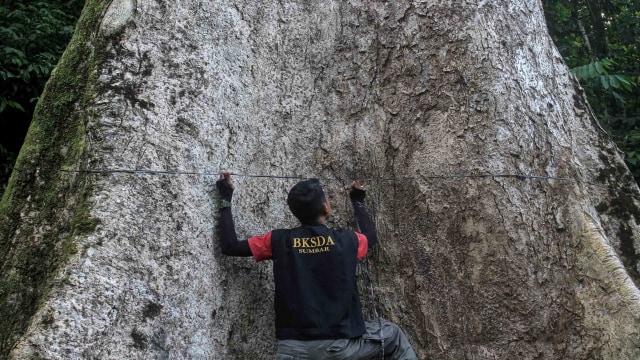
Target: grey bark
478,268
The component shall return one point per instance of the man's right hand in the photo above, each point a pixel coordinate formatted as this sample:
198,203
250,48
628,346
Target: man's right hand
225,186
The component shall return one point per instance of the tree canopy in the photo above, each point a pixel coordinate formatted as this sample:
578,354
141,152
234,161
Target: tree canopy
34,35
600,42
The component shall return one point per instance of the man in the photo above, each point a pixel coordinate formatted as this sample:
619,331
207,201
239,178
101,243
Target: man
318,313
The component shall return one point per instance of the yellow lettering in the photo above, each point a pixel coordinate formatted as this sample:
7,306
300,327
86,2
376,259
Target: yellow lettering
314,250
313,245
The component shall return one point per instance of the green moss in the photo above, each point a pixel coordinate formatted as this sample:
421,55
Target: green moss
36,234
85,223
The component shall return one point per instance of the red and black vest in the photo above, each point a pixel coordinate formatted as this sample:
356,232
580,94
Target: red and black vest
314,270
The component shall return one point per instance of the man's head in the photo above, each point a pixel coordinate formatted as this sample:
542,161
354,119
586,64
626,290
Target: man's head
308,202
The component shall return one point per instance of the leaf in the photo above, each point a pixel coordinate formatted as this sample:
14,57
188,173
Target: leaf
580,72
625,82
613,81
593,70
15,105
619,98
604,81
10,50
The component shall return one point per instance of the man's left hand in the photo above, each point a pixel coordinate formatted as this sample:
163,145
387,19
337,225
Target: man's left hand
225,186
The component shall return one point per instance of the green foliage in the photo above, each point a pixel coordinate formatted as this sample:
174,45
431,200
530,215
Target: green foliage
600,41
597,81
596,75
34,35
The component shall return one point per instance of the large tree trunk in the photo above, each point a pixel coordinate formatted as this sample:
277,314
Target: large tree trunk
124,265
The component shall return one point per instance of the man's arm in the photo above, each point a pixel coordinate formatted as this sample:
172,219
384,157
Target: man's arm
357,195
229,244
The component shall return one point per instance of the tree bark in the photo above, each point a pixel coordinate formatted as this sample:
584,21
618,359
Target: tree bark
404,93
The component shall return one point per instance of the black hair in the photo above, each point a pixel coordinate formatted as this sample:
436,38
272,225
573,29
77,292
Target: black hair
306,200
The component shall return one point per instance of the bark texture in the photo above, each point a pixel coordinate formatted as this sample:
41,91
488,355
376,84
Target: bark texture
125,265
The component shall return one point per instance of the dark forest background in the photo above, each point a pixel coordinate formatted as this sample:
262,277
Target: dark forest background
599,40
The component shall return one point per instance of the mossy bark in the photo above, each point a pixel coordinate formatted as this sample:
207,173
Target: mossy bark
43,210
405,93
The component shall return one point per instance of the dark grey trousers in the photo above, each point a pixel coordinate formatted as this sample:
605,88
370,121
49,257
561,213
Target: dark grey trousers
368,346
